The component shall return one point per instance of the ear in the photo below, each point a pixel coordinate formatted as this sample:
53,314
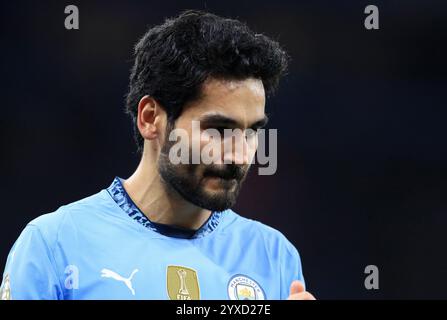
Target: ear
150,118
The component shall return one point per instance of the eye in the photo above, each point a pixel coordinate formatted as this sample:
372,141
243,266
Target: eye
221,130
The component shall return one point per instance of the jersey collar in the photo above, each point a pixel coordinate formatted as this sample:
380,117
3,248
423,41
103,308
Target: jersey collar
123,200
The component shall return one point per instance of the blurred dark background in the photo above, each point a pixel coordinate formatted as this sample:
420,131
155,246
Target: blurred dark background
361,119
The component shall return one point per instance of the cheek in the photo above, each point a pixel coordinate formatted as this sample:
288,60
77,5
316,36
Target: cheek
188,172
211,147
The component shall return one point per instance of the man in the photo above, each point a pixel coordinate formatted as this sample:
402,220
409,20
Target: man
167,232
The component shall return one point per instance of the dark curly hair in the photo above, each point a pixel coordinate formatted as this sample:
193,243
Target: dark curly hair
172,60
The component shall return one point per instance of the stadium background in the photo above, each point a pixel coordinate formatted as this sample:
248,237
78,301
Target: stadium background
361,118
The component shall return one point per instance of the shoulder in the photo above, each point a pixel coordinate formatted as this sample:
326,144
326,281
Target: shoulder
50,225
274,239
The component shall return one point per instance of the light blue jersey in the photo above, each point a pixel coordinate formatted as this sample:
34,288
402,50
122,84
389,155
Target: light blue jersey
103,247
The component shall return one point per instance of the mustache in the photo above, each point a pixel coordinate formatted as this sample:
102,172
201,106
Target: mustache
230,171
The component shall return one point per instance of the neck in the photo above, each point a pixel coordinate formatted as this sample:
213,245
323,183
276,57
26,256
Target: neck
160,203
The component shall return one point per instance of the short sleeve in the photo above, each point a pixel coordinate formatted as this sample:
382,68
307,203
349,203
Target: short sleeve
291,269
30,272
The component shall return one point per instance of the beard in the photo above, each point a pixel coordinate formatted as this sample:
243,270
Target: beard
192,181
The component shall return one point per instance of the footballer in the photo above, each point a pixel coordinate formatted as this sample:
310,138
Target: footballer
168,231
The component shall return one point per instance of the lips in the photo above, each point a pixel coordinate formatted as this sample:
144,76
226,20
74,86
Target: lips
222,176
230,173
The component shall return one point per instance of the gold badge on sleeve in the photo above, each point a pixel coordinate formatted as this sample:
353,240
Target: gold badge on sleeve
182,283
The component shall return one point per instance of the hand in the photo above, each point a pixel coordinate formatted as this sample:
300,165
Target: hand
297,292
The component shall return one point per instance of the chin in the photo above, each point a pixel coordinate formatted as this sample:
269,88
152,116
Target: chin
212,193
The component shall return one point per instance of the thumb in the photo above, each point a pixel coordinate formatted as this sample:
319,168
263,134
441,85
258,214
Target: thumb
296,287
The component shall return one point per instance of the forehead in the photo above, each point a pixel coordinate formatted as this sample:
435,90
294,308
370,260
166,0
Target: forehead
241,100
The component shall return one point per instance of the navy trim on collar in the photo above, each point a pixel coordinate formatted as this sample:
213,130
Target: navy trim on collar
123,200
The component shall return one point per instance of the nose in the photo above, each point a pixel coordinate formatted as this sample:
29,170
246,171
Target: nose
236,149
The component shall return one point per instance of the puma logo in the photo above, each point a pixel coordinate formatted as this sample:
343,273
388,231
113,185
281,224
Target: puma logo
106,273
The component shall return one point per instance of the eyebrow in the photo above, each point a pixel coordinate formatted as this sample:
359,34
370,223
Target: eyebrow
218,119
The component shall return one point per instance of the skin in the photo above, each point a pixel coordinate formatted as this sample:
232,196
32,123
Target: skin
241,103
297,292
